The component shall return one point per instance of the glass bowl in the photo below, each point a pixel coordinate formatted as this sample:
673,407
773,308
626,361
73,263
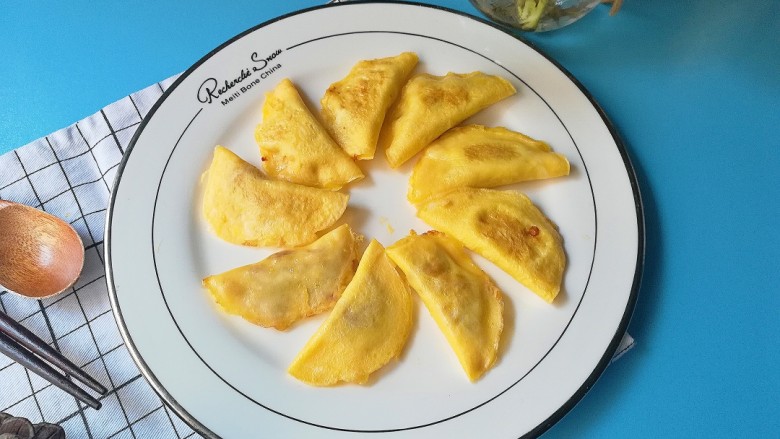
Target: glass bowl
535,15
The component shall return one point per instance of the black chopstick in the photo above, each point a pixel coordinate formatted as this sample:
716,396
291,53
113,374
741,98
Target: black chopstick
21,345
33,343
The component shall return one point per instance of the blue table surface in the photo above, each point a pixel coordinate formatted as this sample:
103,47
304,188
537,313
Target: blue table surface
692,86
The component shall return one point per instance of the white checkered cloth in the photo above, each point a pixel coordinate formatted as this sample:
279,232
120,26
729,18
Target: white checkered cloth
69,173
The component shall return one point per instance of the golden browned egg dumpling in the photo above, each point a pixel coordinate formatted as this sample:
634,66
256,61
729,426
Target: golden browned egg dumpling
354,108
506,228
367,328
461,298
291,284
430,105
243,207
294,145
479,156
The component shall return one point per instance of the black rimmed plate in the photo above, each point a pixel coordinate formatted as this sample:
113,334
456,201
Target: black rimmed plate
228,378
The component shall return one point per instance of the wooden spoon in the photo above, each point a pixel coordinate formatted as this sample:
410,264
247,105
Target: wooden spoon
40,255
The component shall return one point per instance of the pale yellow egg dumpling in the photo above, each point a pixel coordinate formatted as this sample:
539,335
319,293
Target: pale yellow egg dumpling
291,284
479,156
465,303
354,108
506,228
294,145
368,327
242,206
430,105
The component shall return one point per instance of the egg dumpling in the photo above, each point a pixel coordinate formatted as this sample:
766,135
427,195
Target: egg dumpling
354,108
506,228
295,147
367,328
244,207
479,156
430,105
291,284
465,303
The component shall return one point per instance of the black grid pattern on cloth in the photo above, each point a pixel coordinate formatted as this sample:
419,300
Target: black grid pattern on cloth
69,174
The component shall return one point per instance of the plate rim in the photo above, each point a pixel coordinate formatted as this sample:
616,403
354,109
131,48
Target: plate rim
622,327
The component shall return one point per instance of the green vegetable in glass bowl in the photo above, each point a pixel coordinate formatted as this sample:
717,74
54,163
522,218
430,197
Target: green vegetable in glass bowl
529,12
539,15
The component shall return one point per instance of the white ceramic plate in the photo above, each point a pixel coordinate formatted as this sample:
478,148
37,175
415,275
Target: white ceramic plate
228,378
